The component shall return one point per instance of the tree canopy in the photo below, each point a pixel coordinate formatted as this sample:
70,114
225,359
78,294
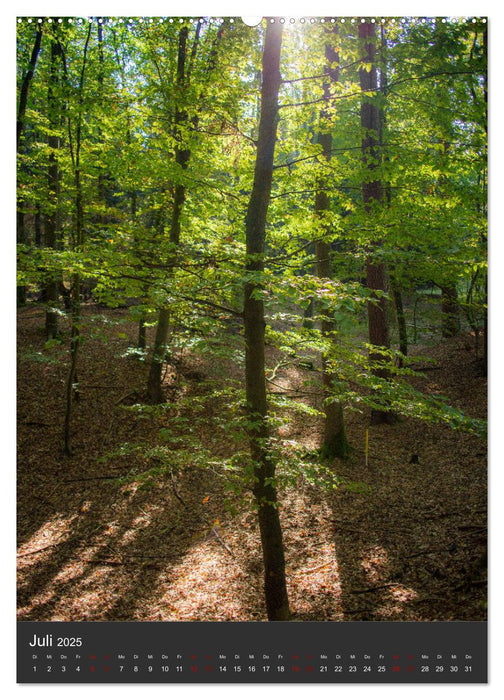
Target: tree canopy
146,181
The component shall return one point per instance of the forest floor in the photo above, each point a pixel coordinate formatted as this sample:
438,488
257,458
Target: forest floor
408,545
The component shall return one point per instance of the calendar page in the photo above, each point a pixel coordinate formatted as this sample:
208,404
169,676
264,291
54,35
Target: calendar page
252,303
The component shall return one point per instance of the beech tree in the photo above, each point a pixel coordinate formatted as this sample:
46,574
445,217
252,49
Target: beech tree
75,141
51,218
335,442
182,155
183,124
264,488
372,195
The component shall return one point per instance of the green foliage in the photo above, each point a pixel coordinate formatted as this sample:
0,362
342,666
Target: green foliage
431,226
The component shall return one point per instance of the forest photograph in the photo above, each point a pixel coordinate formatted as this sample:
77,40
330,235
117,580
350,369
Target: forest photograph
251,318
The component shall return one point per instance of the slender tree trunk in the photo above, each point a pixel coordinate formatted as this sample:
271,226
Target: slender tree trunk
335,443
25,86
23,101
102,189
376,279
142,334
308,315
485,331
182,156
450,311
265,493
20,238
52,286
71,386
154,388
38,226
387,193
309,311
142,331
72,382
401,320
450,321
485,211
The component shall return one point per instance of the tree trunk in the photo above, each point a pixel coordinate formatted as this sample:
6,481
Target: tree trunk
485,331
71,385
335,443
142,336
308,315
400,315
450,322
182,156
78,239
401,321
376,279
485,320
309,311
154,388
52,286
387,194
25,86
265,493
449,311
142,330
102,188
38,226
20,238
23,101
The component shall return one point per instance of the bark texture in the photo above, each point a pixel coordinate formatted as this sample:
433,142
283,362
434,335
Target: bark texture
265,493
450,311
78,239
154,388
51,219
335,443
376,279
401,320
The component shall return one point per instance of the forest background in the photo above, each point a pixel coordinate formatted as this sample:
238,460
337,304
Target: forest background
320,13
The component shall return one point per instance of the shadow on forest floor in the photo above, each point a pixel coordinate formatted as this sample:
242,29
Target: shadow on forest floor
408,549
93,548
